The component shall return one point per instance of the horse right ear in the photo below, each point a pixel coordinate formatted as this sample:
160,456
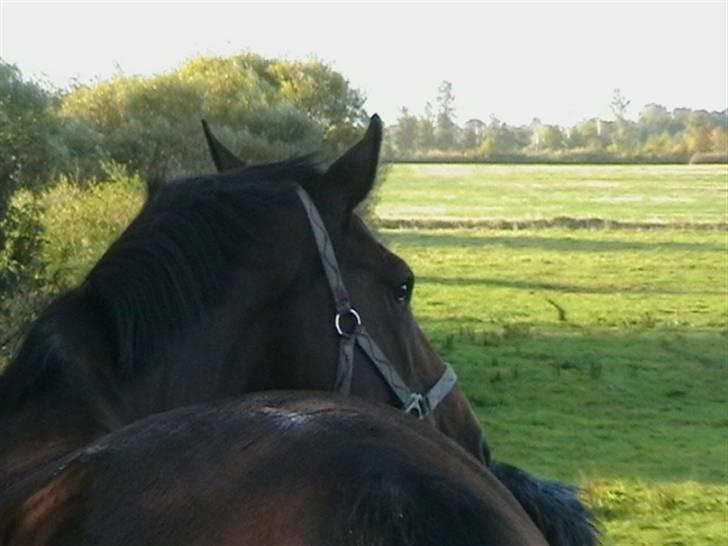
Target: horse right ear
223,158
351,177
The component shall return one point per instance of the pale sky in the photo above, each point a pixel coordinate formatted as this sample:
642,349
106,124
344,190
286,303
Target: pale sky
559,61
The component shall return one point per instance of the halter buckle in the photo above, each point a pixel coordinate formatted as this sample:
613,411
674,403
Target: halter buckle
417,406
357,322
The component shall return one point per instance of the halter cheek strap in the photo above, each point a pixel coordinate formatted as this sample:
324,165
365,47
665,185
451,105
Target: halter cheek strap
352,333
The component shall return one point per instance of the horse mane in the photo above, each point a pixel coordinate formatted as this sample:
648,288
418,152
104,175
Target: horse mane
165,270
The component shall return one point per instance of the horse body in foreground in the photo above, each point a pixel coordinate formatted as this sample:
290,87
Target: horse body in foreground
276,469
215,290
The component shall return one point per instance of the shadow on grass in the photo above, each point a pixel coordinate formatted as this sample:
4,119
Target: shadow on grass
559,287
580,244
614,403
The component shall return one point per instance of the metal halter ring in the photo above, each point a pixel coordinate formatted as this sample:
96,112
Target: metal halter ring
417,406
337,322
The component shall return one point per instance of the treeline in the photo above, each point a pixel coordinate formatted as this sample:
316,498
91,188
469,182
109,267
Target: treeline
264,108
658,135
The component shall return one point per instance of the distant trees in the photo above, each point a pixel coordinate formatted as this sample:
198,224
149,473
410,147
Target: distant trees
406,137
502,139
657,135
446,134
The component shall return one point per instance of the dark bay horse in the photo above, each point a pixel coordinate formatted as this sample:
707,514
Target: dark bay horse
278,469
554,506
217,289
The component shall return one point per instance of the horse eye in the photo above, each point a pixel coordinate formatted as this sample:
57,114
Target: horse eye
403,292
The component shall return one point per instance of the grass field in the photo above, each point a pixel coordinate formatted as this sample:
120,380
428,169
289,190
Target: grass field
636,193
598,356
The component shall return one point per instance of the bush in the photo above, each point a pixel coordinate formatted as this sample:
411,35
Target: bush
79,223
52,238
271,109
26,121
21,228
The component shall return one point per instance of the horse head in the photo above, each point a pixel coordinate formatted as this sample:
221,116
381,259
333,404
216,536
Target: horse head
401,369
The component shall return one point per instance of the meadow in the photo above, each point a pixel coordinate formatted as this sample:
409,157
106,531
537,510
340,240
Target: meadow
585,309
471,193
597,356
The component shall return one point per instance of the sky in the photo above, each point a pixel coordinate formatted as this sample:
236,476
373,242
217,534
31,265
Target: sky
558,61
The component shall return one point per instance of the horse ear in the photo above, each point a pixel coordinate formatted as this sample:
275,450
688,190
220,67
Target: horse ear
223,158
351,177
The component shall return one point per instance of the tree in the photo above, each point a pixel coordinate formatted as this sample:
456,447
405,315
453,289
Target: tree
265,108
626,139
473,133
619,105
446,134
656,119
550,137
697,135
586,135
26,122
426,130
405,138
500,139
719,140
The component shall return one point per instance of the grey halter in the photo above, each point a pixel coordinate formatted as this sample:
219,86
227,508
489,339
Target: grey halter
418,404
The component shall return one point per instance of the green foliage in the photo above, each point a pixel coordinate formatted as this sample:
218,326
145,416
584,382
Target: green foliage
550,137
446,132
500,139
53,237
37,144
26,120
265,109
657,136
79,223
405,140
21,239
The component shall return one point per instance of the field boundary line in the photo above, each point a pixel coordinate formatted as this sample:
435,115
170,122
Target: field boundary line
546,223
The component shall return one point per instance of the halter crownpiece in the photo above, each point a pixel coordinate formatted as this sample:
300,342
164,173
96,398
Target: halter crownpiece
352,332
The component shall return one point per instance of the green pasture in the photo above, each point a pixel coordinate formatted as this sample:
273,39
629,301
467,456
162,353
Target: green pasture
635,193
598,356
595,356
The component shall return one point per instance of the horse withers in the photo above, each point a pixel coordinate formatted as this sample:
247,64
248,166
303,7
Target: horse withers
274,469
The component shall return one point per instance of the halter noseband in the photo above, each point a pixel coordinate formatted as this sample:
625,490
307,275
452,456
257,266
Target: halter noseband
352,332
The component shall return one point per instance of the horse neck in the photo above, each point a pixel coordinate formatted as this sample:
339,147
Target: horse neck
56,395
65,388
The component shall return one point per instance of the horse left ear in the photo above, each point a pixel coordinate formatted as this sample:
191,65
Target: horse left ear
351,177
223,158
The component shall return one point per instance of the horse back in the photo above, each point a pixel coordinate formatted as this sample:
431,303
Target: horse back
273,470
